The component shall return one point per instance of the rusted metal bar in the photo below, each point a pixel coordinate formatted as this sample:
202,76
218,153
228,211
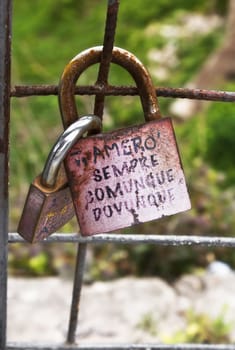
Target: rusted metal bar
77,287
162,240
102,79
197,94
194,94
109,35
123,347
5,58
108,42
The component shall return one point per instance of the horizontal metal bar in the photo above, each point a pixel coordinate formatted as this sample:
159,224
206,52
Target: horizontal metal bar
166,240
122,347
195,94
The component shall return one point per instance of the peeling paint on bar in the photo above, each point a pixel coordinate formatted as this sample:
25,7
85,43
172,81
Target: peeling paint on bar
163,240
121,347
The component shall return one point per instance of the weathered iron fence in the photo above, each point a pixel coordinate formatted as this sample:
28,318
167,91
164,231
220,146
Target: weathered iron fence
100,90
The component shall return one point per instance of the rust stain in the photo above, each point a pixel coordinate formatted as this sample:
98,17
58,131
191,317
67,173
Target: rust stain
45,213
119,56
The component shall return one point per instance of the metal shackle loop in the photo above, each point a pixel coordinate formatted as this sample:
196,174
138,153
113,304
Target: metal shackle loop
63,145
120,57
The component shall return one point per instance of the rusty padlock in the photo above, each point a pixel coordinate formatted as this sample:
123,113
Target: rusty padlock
128,176
48,204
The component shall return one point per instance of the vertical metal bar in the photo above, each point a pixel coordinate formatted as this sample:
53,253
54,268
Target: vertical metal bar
110,27
109,35
5,48
77,287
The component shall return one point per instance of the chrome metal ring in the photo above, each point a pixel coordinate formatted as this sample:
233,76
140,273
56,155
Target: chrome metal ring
63,145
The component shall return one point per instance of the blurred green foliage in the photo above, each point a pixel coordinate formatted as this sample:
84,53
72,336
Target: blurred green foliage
148,324
45,38
202,329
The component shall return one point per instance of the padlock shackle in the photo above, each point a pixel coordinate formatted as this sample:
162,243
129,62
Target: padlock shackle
120,57
63,145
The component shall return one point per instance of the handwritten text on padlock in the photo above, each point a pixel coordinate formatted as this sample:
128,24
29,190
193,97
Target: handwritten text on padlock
127,177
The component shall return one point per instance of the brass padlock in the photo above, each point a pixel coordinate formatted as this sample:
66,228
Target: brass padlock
128,176
48,204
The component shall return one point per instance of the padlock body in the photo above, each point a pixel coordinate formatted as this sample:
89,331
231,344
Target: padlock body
45,211
126,177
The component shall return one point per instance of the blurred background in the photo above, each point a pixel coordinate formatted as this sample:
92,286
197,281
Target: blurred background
183,44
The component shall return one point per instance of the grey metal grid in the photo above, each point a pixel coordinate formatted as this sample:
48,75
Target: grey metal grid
167,240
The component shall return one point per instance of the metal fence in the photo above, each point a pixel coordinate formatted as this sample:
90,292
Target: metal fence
6,92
